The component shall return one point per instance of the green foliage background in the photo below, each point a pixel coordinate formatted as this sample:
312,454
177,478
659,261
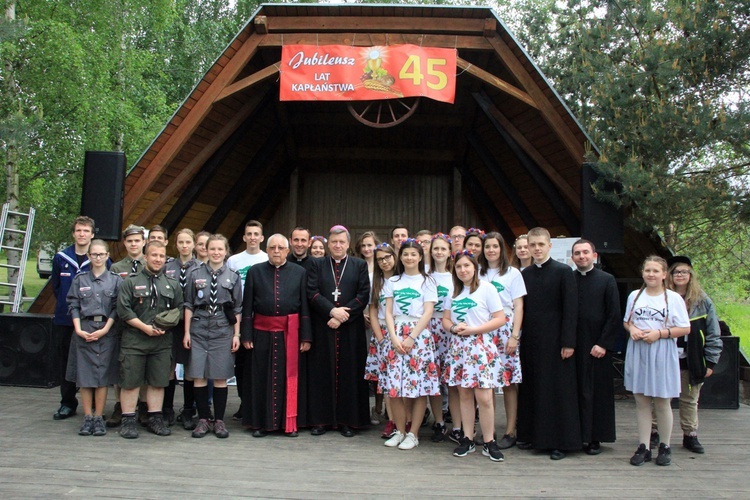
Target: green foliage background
660,86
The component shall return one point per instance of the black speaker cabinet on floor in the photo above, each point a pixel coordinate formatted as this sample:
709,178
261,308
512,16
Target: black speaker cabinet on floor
722,389
28,351
103,187
601,223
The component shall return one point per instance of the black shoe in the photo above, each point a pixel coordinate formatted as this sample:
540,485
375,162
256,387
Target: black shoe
523,445
654,442
87,428
641,456
116,418
665,455
557,455
506,442
157,426
691,443
259,433
292,434
465,447
318,430
346,431
129,430
189,419
64,412
447,417
426,416
455,435
169,417
593,448
438,432
492,450
238,414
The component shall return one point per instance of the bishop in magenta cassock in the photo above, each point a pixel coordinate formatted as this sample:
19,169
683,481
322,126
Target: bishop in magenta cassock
338,289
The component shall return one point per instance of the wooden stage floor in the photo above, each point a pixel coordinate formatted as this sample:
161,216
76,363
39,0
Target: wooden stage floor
43,458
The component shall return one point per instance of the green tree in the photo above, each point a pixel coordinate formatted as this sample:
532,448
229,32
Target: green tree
661,87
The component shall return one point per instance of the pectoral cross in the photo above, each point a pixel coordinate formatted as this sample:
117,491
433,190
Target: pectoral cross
336,294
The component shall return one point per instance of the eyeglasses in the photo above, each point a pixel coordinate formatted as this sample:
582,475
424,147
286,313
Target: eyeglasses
383,259
458,236
681,273
98,255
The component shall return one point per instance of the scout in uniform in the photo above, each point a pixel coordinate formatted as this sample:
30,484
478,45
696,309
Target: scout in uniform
133,239
146,346
213,304
92,365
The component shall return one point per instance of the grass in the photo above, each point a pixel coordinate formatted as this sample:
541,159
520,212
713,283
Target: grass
32,283
737,316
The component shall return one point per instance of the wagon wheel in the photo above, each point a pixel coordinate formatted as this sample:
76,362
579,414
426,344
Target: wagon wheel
385,113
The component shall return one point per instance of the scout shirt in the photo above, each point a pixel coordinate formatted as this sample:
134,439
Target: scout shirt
135,298
124,267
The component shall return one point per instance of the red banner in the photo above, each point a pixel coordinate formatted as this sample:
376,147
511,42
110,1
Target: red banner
345,73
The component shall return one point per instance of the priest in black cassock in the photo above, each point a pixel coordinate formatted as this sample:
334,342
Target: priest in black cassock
548,396
338,289
276,331
599,328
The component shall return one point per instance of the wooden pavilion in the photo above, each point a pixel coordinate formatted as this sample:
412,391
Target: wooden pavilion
507,155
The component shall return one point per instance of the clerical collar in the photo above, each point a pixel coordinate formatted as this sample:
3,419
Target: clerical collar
280,265
339,261
543,263
585,271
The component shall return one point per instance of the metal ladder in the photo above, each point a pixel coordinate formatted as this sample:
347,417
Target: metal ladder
15,290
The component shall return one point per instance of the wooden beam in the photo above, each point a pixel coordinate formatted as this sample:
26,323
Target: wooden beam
167,152
384,24
572,144
546,186
261,24
383,154
500,120
501,179
496,82
250,176
485,202
249,81
466,42
184,178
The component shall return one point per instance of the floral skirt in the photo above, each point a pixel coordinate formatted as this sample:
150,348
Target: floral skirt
473,362
374,366
442,340
413,374
510,364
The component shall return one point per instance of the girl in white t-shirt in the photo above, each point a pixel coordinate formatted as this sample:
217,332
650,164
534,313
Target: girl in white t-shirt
385,265
412,373
507,280
655,316
473,314
442,265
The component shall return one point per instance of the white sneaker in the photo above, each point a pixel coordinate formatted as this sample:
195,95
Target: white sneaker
410,441
395,440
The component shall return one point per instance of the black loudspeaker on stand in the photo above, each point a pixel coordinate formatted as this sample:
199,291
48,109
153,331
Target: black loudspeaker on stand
601,223
722,389
103,188
28,351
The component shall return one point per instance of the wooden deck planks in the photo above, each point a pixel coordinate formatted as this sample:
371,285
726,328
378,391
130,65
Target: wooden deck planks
44,458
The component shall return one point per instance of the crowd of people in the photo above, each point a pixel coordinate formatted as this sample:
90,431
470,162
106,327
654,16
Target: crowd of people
435,324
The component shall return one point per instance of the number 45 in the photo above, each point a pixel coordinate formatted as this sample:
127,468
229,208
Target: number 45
412,70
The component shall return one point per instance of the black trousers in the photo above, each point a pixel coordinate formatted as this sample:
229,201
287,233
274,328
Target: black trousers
67,389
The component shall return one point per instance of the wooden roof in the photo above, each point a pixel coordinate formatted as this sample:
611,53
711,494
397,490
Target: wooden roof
228,152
